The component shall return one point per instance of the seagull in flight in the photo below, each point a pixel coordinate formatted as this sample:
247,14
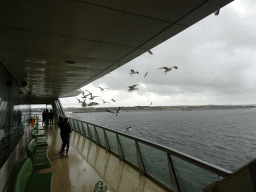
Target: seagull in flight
216,13
133,72
102,89
145,74
116,112
104,101
92,104
92,97
132,88
113,100
85,95
148,121
83,103
128,129
150,103
168,69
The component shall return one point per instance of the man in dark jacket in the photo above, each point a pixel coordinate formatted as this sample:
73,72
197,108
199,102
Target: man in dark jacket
65,135
60,124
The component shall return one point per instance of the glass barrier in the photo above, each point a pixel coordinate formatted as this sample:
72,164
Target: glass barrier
100,134
156,163
71,121
79,127
85,129
129,149
191,177
112,141
91,129
155,159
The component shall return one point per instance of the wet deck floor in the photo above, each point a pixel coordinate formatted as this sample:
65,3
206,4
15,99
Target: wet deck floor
87,164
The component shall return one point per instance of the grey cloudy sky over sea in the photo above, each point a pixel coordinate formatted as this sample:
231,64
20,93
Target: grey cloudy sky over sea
216,65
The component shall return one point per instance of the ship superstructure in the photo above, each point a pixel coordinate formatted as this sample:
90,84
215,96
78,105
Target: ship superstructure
50,49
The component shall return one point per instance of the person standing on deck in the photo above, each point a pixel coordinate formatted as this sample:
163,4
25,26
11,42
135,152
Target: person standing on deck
46,117
51,117
43,116
61,124
65,135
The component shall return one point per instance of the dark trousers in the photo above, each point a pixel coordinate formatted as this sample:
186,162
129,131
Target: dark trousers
65,143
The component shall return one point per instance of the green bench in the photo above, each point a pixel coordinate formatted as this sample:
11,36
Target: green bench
40,139
26,181
38,155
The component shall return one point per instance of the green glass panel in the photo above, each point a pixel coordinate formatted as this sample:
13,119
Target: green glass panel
155,162
191,177
91,128
100,135
79,126
76,125
112,141
85,129
72,124
129,149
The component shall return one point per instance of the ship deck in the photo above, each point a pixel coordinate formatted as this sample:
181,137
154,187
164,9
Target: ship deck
87,164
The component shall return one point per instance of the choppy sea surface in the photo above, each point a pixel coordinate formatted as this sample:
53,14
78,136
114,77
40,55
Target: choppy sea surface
226,138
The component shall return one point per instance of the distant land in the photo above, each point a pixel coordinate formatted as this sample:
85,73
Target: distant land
158,108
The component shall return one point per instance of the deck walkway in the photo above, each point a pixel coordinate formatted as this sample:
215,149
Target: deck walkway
87,164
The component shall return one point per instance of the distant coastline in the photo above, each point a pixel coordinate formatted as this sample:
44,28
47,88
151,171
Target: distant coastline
160,108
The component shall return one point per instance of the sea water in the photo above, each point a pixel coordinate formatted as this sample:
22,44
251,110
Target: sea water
226,138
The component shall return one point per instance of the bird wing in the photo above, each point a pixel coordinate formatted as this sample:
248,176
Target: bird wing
163,68
217,12
110,111
150,52
175,67
132,86
145,74
132,70
88,91
118,110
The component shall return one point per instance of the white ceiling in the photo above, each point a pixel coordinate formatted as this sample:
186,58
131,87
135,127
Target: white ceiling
37,37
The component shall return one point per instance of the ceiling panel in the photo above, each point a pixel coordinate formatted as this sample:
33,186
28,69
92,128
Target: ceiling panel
59,46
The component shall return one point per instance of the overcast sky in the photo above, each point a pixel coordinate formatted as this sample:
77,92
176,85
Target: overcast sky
216,65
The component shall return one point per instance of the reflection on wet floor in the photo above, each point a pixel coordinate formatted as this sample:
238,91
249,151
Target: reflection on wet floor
87,164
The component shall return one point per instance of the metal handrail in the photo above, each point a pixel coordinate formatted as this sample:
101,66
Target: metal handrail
200,163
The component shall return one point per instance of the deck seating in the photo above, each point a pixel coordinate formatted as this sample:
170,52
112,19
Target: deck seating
38,155
26,181
38,133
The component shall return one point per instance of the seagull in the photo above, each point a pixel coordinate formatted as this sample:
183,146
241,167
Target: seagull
132,88
216,13
145,74
168,69
128,129
92,103
83,103
133,72
113,100
88,91
79,100
150,103
148,121
85,96
150,52
116,112
92,97
102,89
104,101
